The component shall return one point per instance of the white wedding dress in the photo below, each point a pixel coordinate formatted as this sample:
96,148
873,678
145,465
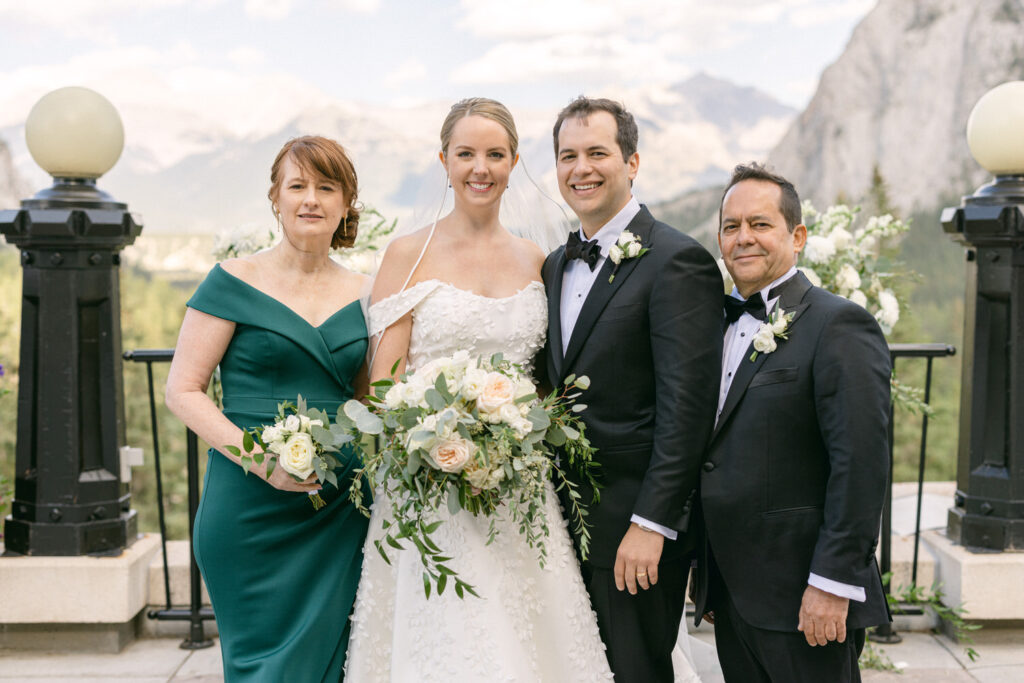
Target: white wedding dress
529,624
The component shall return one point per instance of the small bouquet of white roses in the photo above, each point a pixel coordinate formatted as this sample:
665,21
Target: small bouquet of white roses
469,434
302,441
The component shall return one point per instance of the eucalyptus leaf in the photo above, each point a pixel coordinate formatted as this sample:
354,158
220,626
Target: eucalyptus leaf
570,432
556,437
434,399
538,418
366,422
453,500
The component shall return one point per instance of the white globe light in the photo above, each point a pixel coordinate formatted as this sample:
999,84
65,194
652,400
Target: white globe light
995,129
74,133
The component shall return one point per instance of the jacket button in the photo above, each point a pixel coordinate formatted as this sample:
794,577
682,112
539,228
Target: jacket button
708,466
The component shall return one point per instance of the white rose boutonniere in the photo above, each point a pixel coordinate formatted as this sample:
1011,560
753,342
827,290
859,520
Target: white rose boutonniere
627,247
777,325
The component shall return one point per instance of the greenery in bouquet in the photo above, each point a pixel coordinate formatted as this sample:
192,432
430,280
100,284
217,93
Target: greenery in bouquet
302,441
469,435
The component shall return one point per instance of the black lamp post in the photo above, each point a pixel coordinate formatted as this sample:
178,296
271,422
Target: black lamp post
68,496
989,509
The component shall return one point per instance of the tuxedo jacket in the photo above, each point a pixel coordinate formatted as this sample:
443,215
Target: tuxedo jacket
797,466
651,344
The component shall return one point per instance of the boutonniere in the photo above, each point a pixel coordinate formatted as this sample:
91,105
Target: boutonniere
627,247
776,326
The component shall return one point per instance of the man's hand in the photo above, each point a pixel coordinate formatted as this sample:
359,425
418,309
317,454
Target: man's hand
636,562
822,617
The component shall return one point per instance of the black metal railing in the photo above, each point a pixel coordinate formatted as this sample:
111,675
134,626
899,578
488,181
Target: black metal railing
885,632
195,614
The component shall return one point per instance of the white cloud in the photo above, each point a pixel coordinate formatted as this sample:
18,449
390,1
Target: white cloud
268,9
812,14
407,72
357,6
246,56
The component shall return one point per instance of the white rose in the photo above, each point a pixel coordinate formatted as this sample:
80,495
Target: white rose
625,238
764,340
292,424
509,413
819,249
413,392
271,434
305,423
393,397
780,324
860,298
633,249
840,238
451,455
525,387
473,383
296,457
497,390
523,427
811,275
847,278
615,254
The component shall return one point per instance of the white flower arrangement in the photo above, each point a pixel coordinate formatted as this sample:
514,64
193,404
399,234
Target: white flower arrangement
845,259
626,247
468,434
777,326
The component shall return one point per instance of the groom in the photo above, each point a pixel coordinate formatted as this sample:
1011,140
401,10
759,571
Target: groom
636,306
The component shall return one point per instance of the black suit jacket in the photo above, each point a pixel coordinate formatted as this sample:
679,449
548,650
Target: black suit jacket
797,466
651,344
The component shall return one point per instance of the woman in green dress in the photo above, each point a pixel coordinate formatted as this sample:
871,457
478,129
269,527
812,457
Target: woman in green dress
285,321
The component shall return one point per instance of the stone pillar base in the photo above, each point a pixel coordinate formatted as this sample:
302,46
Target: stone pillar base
75,603
987,584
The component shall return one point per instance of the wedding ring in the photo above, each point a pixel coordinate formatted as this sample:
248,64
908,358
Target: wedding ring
640,574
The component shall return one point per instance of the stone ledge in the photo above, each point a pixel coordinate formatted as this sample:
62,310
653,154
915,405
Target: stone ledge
76,590
986,583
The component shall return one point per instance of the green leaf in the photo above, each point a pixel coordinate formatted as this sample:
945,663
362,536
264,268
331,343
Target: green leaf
453,500
247,443
392,542
434,399
258,458
569,380
246,463
579,407
321,435
365,421
394,368
555,436
570,433
441,384
233,450
442,581
426,584
539,418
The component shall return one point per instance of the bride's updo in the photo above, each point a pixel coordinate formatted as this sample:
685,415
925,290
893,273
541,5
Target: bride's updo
479,106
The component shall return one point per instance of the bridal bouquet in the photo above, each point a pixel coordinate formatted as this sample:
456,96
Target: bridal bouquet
469,434
302,441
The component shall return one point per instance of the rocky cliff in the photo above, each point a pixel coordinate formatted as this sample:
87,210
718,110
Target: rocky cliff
899,98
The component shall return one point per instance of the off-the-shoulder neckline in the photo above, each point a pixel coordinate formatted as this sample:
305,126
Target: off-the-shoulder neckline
443,283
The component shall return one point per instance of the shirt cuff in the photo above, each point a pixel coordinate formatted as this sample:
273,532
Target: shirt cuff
843,590
664,531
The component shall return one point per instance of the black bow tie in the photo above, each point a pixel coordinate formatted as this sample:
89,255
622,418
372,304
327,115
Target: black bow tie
755,305
734,308
588,251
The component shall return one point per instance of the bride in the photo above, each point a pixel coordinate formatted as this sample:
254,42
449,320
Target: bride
467,283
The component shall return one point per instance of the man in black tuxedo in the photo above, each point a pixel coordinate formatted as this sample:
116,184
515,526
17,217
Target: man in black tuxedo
645,327
796,470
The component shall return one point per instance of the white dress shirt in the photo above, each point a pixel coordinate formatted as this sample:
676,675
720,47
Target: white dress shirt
735,349
577,279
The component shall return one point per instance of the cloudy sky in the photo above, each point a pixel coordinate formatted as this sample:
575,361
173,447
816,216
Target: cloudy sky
250,63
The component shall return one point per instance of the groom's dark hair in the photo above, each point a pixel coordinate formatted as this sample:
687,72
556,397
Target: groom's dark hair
789,200
626,132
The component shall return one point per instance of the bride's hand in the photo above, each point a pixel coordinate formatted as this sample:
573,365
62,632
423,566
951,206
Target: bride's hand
283,481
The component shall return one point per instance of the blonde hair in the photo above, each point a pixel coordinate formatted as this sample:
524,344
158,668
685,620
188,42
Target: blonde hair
479,106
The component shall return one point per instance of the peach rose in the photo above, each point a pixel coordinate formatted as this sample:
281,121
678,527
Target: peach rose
452,454
497,390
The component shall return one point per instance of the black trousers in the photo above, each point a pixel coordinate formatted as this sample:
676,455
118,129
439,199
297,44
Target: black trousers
753,655
639,630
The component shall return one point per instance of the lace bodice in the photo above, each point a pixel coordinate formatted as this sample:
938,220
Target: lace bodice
447,319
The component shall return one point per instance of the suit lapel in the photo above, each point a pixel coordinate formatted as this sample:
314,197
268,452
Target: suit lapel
555,314
790,301
602,291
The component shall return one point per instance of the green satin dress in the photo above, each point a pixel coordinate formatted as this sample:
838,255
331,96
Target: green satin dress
281,576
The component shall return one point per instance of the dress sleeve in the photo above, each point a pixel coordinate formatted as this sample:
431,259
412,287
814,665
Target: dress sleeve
219,295
389,310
